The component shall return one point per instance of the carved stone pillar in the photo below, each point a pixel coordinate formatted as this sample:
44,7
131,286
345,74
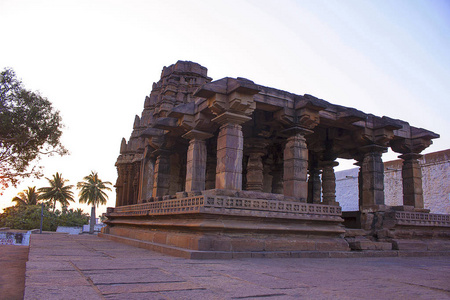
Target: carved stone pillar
210,177
255,175
135,189
296,165
372,177
277,173
314,185
119,186
329,183
177,181
128,190
196,160
161,181
412,180
230,144
255,168
267,175
146,179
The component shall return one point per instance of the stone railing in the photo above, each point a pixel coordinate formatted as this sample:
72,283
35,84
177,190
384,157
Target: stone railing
422,219
230,206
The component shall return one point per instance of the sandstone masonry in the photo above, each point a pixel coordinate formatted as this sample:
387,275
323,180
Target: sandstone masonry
230,166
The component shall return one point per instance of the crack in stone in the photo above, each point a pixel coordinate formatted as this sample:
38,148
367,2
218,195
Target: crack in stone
159,291
88,279
260,296
102,270
136,282
428,287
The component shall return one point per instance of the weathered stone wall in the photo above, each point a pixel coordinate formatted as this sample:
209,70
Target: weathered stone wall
436,183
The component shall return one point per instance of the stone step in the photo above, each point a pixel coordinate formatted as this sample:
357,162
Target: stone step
421,245
350,232
369,245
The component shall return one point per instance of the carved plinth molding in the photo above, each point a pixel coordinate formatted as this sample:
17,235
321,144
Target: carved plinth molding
232,206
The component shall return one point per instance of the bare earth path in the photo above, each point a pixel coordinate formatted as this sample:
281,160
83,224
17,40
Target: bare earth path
13,261
88,267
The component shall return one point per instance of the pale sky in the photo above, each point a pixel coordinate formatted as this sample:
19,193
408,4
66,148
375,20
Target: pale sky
96,61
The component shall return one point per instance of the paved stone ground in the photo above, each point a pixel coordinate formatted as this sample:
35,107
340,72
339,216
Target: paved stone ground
89,267
13,261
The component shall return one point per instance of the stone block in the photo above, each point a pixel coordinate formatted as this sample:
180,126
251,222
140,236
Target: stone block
369,245
247,244
310,254
438,245
332,245
293,244
242,255
160,238
409,245
221,244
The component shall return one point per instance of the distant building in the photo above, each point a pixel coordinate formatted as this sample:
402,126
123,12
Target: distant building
435,181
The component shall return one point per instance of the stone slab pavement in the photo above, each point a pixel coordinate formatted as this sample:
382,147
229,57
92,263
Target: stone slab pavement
13,261
62,266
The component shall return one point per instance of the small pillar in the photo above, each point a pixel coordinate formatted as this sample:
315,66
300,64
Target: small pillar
196,160
277,173
412,180
296,164
256,149
129,185
210,177
372,177
146,178
314,185
230,144
161,181
119,186
329,183
267,175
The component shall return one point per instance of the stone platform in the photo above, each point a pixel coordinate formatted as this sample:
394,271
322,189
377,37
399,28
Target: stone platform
222,226
62,266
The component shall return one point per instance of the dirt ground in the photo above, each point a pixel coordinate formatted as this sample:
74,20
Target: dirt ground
13,261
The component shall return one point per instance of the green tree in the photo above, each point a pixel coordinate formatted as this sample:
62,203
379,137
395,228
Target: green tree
57,191
29,217
92,191
27,197
29,129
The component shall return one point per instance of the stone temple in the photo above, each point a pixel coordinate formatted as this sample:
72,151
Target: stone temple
229,168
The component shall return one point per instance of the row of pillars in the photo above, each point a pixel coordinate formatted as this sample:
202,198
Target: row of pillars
228,175
230,144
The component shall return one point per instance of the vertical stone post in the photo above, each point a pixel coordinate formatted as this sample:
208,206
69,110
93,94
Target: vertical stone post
277,172
129,185
161,181
329,183
314,186
196,161
230,144
296,165
360,181
255,148
372,177
135,186
267,175
210,180
119,186
412,180
255,175
146,178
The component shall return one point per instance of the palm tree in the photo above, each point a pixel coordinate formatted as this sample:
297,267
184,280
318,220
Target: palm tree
27,197
57,191
92,191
